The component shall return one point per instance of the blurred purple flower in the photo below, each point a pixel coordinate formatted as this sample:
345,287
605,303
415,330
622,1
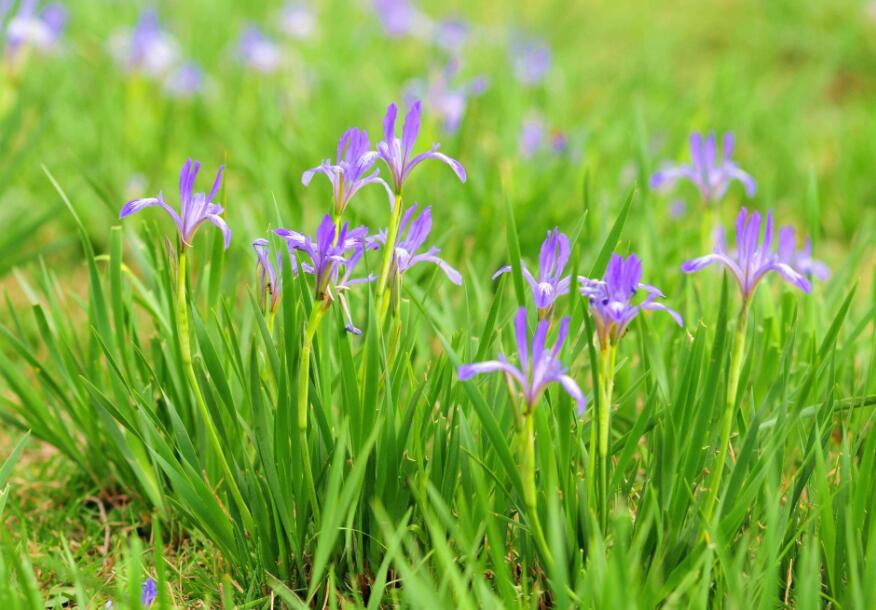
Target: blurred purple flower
535,137
801,260
531,60
677,209
413,235
330,253
195,208
397,153
452,34
41,30
147,48
298,20
258,51
753,257
401,18
709,173
148,594
611,298
445,99
349,173
538,366
551,262
185,81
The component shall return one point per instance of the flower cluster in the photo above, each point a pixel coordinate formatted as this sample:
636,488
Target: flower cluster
30,27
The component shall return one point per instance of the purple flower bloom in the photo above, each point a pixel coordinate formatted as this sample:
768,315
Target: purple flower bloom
801,260
258,51
611,298
447,100
40,30
269,275
538,366
350,171
397,153
298,20
195,208
414,234
531,60
551,262
329,253
753,258
712,176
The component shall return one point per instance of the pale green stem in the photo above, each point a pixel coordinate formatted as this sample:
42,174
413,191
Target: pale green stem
736,357
316,316
182,320
526,442
607,357
388,255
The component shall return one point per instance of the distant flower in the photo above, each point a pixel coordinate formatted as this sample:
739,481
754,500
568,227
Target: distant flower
535,137
447,99
298,20
330,254
709,173
259,52
800,260
539,366
612,298
349,173
413,235
753,257
397,153
40,30
268,271
452,34
550,283
185,81
147,49
195,208
678,208
531,60
401,18
147,595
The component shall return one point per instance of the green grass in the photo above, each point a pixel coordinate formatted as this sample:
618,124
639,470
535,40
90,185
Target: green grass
404,489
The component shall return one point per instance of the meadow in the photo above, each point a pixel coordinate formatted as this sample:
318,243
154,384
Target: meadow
264,344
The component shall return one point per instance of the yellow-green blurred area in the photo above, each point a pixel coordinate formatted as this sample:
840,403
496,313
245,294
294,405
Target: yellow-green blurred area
628,82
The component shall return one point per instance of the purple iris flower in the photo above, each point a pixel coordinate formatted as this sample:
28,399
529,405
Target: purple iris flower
41,30
350,171
148,594
535,138
538,366
448,100
258,51
531,60
298,20
452,34
397,153
413,235
709,173
330,253
269,271
611,298
195,208
802,259
550,283
753,258
147,48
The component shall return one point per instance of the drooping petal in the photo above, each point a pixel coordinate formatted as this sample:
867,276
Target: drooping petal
467,371
223,226
571,386
655,306
702,262
455,165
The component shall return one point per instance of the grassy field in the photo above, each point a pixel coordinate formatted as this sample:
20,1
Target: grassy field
176,413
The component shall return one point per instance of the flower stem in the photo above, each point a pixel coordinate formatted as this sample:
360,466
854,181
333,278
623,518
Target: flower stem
527,477
316,316
607,357
388,255
736,357
182,321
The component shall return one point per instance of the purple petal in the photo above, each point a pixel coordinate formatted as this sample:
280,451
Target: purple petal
410,129
501,270
654,306
455,165
223,226
571,386
389,124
